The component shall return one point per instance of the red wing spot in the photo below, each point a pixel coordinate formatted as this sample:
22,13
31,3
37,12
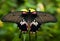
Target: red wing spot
34,13
24,12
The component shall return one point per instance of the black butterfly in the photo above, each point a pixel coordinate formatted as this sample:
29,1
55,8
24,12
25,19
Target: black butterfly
41,17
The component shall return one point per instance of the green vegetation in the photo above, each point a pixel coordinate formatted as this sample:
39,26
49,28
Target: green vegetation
48,31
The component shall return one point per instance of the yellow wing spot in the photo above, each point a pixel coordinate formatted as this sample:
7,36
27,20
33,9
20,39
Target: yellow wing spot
1,23
24,10
32,10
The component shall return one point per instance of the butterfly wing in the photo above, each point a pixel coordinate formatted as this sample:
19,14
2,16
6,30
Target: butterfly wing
43,17
13,17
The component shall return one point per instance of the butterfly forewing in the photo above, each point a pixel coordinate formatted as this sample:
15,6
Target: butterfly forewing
44,17
12,17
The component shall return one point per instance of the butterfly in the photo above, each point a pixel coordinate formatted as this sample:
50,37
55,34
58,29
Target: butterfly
29,16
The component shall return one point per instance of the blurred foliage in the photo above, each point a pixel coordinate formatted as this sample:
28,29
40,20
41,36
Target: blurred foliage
47,32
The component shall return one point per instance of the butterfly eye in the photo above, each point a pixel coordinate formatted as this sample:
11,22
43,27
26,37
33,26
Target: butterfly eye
24,12
34,13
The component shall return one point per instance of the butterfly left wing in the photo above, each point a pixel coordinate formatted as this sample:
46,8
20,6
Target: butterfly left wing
13,17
